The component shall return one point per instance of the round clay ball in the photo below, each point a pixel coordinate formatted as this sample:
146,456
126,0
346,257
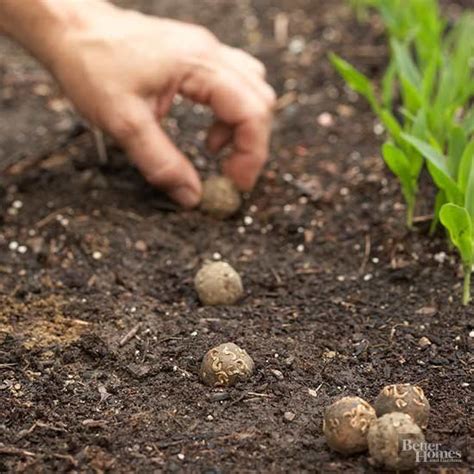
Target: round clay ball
225,365
346,423
404,398
220,197
393,441
217,283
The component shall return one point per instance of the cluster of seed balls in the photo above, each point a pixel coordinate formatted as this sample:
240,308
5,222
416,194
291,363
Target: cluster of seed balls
351,425
217,283
400,412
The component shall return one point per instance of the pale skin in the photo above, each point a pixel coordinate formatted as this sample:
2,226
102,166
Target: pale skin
122,69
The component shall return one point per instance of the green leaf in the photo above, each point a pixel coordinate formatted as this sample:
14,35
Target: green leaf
465,165
468,122
458,222
440,200
400,166
398,163
412,97
388,84
469,202
456,144
406,67
391,124
438,169
430,153
355,79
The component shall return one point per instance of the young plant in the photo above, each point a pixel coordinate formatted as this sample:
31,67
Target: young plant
457,186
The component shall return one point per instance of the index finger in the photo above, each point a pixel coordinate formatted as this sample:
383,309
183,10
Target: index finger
249,113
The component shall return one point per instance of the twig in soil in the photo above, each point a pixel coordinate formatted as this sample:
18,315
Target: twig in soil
66,457
38,424
261,395
365,261
280,29
100,145
421,219
15,451
131,215
130,335
277,277
7,366
50,217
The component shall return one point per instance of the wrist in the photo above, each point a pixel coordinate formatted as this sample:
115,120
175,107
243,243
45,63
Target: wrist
42,26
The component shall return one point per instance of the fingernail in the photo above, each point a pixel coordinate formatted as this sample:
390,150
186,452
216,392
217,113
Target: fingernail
185,196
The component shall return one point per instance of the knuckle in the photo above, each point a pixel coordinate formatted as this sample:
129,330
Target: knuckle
125,124
205,41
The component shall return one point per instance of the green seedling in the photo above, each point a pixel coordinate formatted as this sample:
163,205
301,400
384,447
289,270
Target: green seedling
454,176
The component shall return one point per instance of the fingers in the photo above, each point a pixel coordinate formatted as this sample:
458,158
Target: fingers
240,105
249,69
220,134
155,155
244,60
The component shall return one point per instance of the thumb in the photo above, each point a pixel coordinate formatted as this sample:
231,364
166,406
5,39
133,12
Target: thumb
158,159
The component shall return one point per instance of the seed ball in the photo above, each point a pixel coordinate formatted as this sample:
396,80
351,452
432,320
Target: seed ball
346,423
226,364
217,283
391,441
220,197
404,398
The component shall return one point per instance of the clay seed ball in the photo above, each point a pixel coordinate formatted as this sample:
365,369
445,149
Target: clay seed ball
392,441
225,365
220,197
217,283
404,398
346,423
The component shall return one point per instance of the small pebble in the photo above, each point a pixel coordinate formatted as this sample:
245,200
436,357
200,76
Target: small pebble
424,342
289,416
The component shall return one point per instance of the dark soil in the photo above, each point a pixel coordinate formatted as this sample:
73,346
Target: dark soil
338,293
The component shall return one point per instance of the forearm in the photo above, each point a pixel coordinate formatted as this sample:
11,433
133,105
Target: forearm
40,25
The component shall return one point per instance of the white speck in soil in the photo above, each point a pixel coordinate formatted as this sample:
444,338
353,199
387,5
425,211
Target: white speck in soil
378,129
297,45
13,245
248,220
216,256
368,277
325,120
22,249
97,255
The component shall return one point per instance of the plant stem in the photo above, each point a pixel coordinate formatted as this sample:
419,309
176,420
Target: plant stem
467,284
409,216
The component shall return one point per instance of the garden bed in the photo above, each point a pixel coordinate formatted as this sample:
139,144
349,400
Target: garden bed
101,332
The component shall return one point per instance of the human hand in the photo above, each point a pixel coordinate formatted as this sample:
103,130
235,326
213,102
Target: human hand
122,70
